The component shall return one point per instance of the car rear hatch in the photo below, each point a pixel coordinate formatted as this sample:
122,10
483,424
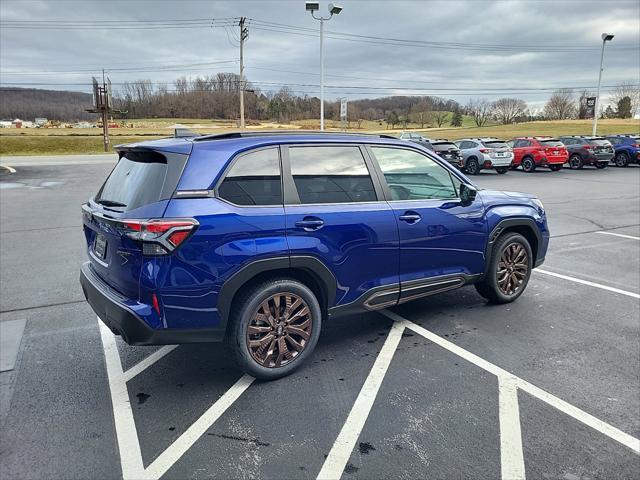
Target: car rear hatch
554,148
601,147
499,149
448,151
139,187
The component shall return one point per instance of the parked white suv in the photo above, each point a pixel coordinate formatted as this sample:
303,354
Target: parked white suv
485,153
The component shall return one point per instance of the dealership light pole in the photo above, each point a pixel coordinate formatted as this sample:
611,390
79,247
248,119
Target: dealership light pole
333,10
606,37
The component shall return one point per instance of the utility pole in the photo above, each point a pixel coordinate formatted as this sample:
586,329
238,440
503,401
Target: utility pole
244,33
102,105
105,111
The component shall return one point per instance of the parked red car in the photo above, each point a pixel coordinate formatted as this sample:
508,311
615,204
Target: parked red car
532,152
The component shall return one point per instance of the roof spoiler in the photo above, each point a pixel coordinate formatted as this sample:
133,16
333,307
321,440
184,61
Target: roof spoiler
185,133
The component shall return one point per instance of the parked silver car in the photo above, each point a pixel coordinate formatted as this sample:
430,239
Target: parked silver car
417,138
485,153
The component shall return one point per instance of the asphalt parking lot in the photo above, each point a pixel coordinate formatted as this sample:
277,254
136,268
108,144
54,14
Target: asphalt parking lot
446,387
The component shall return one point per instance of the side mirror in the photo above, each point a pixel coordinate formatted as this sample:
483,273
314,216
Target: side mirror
467,194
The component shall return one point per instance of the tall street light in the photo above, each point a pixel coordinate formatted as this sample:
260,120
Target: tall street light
606,37
333,10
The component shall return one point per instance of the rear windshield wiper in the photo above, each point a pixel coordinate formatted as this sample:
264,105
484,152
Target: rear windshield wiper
110,203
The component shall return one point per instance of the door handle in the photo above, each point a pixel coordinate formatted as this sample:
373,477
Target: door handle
410,217
310,223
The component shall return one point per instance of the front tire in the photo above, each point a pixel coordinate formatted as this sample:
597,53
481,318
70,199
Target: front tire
509,269
502,170
601,165
555,168
575,162
473,167
274,328
621,159
528,165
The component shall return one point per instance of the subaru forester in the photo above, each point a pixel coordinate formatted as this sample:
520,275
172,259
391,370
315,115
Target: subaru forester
258,238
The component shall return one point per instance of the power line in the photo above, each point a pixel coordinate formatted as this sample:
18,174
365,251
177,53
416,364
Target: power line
295,30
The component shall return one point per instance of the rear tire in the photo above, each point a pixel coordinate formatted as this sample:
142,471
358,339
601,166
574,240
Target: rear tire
275,326
575,162
502,170
555,168
473,167
509,269
528,165
621,159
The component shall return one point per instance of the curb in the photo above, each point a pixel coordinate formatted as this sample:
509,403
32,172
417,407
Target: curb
7,168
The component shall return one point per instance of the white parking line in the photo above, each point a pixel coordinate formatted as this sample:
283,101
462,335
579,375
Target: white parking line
580,415
586,282
619,235
511,456
147,362
126,432
341,451
178,448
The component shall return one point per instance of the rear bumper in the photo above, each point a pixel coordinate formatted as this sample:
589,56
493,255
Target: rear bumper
122,320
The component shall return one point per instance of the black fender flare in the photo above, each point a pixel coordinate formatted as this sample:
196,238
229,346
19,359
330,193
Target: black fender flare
504,225
307,263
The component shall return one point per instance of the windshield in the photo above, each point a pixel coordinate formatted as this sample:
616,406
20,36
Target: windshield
551,143
136,180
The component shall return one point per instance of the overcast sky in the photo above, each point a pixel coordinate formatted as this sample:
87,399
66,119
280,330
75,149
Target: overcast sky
535,45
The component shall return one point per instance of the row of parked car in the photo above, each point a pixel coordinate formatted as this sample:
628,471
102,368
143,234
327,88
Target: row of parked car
475,154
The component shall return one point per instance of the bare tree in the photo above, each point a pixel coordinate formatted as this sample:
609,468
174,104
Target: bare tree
627,89
561,105
507,110
440,116
480,110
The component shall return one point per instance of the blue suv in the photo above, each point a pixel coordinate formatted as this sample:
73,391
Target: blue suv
258,238
627,149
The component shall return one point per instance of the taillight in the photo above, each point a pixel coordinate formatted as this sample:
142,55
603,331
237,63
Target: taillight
159,236
588,147
486,150
636,145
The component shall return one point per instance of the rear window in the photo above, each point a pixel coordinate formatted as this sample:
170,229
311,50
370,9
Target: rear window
599,141
499,144
551,143
138,179
440,146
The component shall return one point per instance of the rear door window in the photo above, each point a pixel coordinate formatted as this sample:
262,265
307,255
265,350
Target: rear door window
254,179
413,176
138,179
331,174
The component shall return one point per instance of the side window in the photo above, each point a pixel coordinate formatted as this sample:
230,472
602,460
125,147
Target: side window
413,176
331,175
254,179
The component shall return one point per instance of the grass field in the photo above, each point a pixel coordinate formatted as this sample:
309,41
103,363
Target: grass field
89,140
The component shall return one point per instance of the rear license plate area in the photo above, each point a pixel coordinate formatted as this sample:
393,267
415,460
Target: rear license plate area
100,246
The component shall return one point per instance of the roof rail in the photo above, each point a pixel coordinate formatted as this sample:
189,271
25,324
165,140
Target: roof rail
251,134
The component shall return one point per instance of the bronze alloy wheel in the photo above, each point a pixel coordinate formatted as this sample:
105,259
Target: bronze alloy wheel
279,330
512,268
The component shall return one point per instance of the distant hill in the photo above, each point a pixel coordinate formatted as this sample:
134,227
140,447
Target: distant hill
29,103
